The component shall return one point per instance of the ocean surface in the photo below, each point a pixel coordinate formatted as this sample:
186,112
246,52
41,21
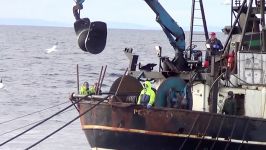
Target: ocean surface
35,80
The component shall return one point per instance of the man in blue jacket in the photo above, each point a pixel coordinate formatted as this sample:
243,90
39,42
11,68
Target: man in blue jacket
214,43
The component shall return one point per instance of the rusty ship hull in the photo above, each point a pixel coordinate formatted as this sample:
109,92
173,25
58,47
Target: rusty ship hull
126,126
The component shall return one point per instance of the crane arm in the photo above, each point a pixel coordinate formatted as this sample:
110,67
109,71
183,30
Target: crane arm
173,31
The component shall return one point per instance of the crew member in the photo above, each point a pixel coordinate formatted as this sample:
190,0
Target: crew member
147,95
229,107
215,44
93,88
84,89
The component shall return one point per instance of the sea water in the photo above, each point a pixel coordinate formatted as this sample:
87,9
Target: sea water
35,80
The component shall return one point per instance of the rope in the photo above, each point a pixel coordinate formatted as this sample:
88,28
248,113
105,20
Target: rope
217,79
26,125
46,137
244,135
232,83
31,113
232,132
194,123
218,133
205,132
241,79
11,139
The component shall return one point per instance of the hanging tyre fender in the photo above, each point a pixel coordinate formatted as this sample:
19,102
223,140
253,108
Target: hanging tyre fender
93,38
82,24
95,41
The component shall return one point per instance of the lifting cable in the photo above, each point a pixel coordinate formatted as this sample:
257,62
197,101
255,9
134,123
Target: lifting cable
11,139
46,137
4,133
31,113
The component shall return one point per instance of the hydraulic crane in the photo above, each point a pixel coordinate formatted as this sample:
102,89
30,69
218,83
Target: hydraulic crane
173,31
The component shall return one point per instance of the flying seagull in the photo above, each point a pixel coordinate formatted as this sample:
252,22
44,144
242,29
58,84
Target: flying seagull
52,49
1,84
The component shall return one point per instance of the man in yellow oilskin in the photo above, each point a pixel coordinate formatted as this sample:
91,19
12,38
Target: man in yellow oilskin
84,89
147,95
93,88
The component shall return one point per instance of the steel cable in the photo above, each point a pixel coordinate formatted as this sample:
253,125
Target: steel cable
11,139
31,113
46,137
26,125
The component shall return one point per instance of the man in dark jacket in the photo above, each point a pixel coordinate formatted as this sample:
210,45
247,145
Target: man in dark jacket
215,45
229,107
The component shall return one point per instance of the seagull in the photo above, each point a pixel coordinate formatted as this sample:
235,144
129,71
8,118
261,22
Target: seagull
52,49
1,84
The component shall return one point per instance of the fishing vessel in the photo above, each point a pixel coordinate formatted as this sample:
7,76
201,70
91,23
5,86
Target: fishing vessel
113,120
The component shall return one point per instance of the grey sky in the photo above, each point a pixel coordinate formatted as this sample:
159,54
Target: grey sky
123,11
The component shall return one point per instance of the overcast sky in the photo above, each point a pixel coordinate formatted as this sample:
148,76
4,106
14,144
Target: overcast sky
123,11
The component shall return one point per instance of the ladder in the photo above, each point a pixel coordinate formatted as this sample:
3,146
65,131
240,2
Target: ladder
198,21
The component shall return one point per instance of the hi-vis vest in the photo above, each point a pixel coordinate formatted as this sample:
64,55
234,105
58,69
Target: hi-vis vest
83,90
147,95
